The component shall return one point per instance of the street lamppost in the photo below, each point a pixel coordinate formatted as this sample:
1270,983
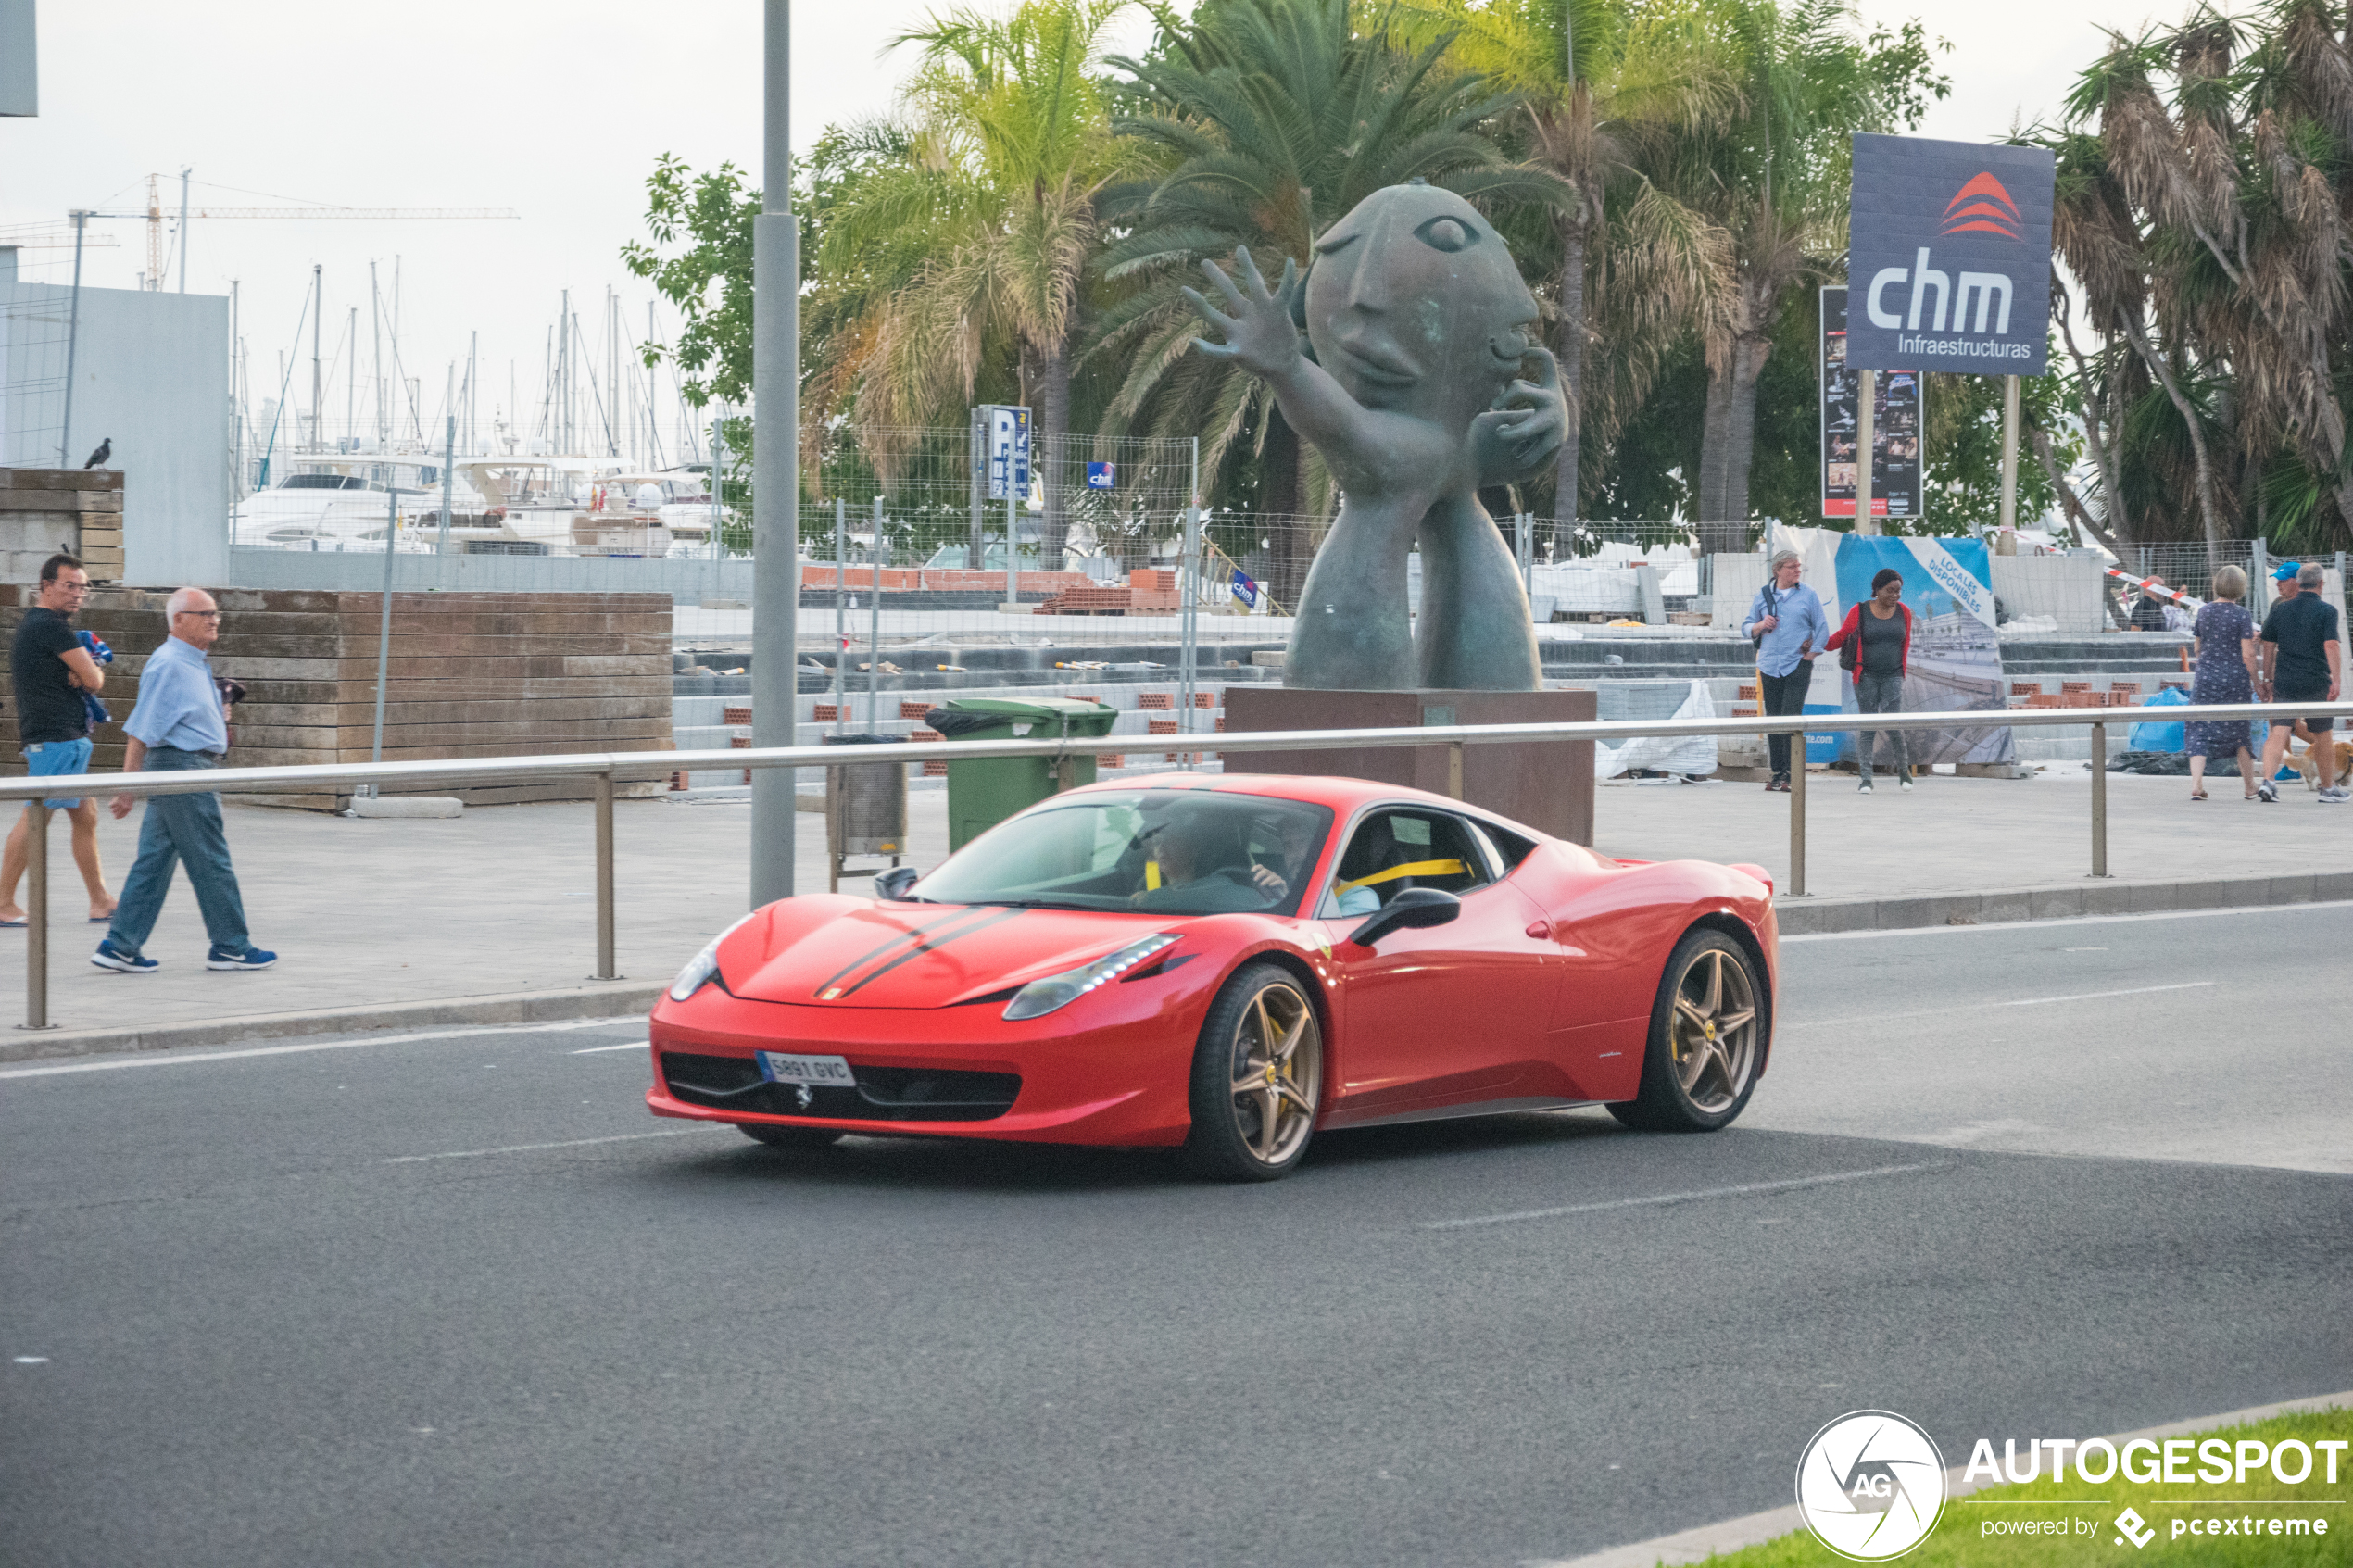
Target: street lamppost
775,568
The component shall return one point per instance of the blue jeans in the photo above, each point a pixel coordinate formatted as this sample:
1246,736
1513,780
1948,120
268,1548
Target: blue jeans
1881,694
181,828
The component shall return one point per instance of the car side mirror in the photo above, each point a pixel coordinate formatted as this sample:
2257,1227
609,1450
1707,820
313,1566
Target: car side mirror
1415,907
894,882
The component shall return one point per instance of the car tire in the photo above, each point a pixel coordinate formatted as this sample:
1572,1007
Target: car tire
1707,1039
1261,1056
796,1140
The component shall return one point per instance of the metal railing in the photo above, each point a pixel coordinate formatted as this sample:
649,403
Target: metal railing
608,767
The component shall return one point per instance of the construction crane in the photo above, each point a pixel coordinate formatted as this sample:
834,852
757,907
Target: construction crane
155,217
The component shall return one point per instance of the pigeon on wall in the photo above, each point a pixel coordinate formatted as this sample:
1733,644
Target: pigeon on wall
106,450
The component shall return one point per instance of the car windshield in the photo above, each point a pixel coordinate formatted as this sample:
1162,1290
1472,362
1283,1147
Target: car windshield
1163,852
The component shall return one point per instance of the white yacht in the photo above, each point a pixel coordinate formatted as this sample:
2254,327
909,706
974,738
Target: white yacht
348,502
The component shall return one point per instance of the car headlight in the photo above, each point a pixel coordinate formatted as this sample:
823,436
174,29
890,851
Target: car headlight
703,968
1042,996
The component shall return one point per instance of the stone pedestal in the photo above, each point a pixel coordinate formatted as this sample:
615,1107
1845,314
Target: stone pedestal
1547,785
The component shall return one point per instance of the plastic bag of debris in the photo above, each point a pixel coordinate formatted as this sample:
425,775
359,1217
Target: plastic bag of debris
1689,756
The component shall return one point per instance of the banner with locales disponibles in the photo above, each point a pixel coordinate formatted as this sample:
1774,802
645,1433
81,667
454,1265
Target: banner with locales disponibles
1955,661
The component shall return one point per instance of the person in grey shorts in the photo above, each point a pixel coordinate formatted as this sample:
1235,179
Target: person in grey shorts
1875,643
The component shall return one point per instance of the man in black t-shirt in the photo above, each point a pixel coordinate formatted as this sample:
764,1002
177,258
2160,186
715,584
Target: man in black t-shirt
51,669
2299,664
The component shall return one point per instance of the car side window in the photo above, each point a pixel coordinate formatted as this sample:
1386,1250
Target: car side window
1510,847
1403,848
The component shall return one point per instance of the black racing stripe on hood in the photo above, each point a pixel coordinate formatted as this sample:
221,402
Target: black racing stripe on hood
891,941
921,947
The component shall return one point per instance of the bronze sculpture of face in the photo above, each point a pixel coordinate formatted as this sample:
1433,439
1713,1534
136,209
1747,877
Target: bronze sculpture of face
1414,305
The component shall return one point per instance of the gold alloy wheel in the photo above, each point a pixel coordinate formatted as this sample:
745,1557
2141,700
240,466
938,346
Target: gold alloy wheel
1712,1036
1279,1072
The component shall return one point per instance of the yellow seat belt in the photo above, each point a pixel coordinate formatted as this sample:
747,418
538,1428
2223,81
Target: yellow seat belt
1415,867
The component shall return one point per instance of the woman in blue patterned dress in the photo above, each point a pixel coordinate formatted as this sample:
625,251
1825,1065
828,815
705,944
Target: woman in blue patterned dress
2225,673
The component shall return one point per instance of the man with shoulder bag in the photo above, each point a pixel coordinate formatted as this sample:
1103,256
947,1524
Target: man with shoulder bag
1787,624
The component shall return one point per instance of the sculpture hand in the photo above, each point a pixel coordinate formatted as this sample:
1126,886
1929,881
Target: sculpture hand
1526,424
1256,322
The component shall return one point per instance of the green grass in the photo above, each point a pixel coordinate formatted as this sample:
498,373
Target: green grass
1958,1538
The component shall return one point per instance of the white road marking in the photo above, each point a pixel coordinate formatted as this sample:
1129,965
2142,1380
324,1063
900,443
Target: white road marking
625,1045
536,1147
175,1058
2069,920
2010,1002
1746,1189
32,1361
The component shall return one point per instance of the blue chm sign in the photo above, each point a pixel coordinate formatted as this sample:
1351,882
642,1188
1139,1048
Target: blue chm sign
1101,476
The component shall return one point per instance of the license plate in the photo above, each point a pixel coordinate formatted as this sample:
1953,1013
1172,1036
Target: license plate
827,1071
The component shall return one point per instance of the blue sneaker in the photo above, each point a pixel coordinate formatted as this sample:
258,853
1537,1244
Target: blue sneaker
121,961
252,958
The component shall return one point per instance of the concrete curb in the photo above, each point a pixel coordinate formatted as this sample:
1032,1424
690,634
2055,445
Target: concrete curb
514,1007
1697,1546
2110,896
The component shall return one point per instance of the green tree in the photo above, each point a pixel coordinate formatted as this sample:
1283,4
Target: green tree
1599,81
2204,175
1271,119
701,262
967,231
1774,176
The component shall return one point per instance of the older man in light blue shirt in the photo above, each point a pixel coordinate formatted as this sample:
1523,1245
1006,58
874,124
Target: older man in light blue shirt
178,724
1788,624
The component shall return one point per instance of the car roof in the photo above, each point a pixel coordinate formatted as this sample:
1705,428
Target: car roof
1345,796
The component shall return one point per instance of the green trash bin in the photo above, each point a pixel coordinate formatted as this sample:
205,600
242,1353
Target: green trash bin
986,790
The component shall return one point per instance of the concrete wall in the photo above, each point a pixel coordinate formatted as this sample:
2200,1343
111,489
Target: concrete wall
151,374
471,675
45,510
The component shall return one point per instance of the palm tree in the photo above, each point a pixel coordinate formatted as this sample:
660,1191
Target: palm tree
996,170
2203,191
1599,82
1271,119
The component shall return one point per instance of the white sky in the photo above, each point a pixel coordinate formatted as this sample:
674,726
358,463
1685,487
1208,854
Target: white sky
557,112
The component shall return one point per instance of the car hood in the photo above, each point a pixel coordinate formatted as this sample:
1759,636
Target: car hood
893,955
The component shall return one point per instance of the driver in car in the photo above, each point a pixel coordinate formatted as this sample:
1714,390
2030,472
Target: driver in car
1199,865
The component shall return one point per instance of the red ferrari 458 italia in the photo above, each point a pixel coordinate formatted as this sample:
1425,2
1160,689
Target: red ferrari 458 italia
1228,963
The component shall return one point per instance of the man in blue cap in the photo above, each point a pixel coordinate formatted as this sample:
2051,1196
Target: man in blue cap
2300,643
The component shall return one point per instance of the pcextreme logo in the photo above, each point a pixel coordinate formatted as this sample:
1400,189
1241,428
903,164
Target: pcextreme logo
1870,1486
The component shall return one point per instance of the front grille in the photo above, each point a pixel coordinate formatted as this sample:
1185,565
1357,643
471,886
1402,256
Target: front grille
884,1094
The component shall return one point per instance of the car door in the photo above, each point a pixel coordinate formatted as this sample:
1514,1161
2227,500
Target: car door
1447,1015
1612,935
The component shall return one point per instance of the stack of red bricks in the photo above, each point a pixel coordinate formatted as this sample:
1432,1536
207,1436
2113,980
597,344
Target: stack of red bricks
1096,600
1155,588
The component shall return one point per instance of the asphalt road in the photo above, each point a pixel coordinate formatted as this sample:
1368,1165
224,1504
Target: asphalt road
459,1301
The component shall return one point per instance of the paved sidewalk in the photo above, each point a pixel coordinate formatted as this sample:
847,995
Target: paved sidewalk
1953,834
397,914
